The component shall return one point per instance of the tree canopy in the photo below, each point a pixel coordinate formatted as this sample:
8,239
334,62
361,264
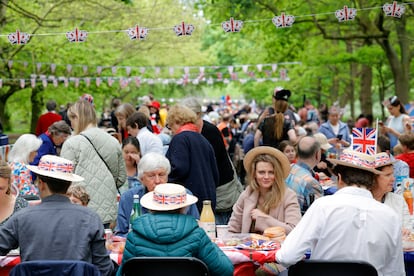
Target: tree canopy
356,62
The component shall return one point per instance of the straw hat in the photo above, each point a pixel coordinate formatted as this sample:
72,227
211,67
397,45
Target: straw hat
322,140
280,156
166,197
56,167
359,160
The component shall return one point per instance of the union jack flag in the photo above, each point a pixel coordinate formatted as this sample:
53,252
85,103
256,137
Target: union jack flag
364,140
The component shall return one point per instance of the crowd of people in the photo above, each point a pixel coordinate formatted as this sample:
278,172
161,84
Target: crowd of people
258,168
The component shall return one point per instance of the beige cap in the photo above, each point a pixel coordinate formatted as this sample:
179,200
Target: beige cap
321,138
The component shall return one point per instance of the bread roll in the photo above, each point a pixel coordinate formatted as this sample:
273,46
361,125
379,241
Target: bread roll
276,233
258,237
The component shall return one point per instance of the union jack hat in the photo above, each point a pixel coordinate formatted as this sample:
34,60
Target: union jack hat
166,197
363,161
56,167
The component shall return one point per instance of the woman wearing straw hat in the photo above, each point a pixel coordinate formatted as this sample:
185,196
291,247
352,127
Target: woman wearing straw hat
267,201
167,231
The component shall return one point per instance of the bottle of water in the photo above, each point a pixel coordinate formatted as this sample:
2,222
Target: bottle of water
136,211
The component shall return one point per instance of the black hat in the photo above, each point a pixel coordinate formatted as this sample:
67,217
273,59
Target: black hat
281,94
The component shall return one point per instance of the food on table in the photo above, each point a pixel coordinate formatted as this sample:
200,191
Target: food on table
276,233
257,237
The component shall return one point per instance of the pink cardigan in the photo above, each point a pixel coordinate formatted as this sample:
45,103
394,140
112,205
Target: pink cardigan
287,214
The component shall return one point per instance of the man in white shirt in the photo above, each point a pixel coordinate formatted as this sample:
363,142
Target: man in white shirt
349,225
136,125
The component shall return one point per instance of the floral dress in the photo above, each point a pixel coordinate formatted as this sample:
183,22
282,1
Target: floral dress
22,179
19,204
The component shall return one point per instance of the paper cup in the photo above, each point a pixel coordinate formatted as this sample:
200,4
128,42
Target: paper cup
222,231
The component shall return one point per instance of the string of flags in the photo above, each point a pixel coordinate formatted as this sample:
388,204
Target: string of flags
248,69
126,81
231,26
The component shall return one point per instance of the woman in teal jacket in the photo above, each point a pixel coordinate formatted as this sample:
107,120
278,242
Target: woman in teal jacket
166,234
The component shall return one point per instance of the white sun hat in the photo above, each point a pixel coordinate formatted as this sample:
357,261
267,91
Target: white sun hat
166,197
56,167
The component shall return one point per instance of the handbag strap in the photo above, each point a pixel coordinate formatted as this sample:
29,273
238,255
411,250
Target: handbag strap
100,156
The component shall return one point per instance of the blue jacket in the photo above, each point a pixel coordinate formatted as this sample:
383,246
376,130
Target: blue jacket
127,202
178,235
194,166
327,130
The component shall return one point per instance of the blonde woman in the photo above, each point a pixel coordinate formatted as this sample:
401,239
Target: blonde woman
266,202
9,203
193,163
276,128
97,157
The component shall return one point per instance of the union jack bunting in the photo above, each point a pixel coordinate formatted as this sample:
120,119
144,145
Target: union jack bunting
232,25
77,35
346,14
137,33
394,9
18,38
364,140
283,20
183,29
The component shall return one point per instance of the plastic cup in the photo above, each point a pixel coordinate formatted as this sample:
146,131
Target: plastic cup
222,231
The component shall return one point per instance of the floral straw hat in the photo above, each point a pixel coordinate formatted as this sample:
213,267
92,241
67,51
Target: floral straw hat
56,167
166,197
359,160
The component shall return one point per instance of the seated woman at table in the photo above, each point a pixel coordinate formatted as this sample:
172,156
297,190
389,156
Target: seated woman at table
168,232
382,191
267,201
9,203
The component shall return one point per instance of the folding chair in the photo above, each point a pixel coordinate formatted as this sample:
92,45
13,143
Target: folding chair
172,266
55,268
328,268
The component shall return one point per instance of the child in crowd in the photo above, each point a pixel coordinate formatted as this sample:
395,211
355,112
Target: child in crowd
78,195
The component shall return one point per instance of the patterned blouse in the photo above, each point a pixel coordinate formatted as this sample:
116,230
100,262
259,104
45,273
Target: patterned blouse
22,179
19,204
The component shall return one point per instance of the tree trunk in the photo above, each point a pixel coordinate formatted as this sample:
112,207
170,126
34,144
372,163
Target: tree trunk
37,104
400,68
365,95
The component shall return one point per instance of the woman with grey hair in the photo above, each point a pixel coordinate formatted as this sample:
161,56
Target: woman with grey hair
153,169
52,139
23,152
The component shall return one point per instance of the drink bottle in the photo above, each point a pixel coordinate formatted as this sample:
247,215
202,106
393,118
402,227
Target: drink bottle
207,220
136,211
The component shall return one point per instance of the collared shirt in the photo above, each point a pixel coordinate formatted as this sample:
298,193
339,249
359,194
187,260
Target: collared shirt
56,229
125,208
348,226
300,180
